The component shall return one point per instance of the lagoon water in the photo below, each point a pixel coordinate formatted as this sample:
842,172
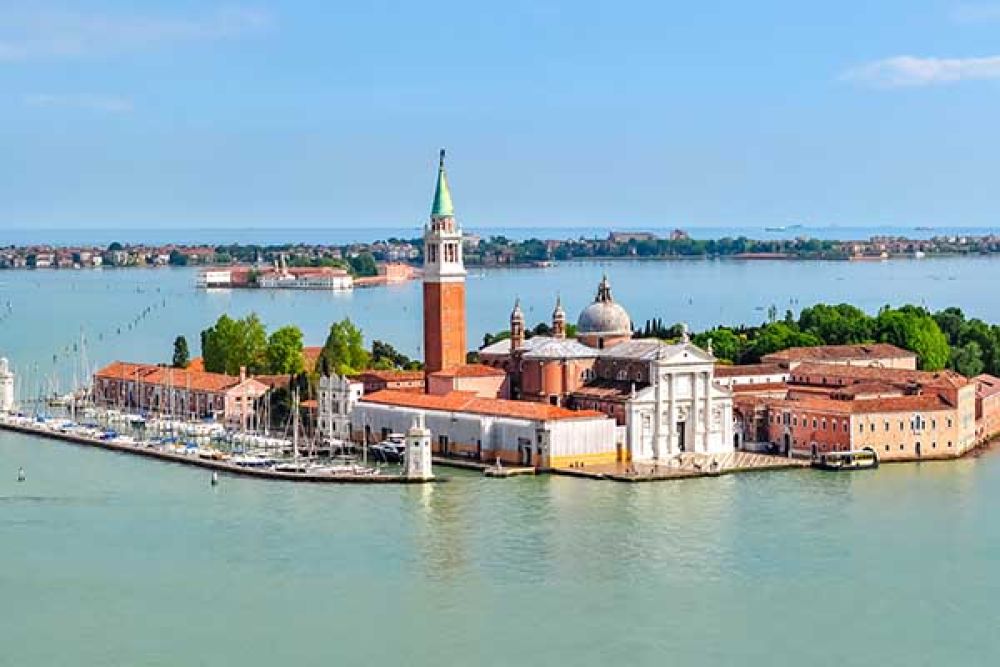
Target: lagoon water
112,560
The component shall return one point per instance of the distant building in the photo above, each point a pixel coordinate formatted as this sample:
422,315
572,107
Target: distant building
899,413
335,404
183,393
376,380
625,237
516,432
882,355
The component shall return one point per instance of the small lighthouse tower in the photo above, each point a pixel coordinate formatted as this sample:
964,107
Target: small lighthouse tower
6,386
418,451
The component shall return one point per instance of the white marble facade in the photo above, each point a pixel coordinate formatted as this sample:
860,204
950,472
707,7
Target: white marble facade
683,410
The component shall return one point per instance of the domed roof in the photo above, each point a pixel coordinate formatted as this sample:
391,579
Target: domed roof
604,316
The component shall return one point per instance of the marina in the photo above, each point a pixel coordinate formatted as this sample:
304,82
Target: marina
246,465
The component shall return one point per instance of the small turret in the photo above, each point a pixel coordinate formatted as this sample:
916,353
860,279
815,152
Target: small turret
516,327
559,320
417,462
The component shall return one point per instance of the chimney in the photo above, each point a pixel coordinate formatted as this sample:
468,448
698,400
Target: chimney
243,373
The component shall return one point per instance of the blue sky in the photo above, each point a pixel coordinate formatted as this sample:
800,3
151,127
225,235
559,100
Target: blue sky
329,114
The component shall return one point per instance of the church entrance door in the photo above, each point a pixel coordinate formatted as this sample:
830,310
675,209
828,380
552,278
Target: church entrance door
682,436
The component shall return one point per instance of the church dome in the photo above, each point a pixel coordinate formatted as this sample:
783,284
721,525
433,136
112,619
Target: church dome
604,316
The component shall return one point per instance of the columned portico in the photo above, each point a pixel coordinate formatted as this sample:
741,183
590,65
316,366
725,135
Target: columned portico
689,413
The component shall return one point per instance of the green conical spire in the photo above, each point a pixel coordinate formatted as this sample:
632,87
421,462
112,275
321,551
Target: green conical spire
442,195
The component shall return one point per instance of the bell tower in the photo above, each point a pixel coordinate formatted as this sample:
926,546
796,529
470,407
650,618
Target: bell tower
444,283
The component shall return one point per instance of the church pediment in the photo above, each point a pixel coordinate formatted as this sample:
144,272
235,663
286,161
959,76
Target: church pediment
683,354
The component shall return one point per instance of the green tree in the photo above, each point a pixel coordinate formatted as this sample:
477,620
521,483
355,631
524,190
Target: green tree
233,344
363,265
842,324
177,258
779,336
726,344
968,359
344,351
950,321
284,351
182,357
913,329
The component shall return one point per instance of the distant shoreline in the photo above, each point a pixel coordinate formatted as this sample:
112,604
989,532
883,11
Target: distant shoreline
495,251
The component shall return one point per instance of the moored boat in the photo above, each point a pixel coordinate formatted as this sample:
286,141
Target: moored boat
861,459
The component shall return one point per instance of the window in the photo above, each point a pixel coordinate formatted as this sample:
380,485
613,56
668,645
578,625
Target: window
949,443
814,422
887,426
933,423
900,424
901,447
949,426
933,445
873,427
795,421
887,448
824,423
861,428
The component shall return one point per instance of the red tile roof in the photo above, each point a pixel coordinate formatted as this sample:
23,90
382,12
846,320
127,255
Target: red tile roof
872,373
181,378
840,353
465,401
986,385
866,406
746,370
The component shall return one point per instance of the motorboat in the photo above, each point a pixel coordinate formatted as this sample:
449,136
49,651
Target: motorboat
390,450
861,459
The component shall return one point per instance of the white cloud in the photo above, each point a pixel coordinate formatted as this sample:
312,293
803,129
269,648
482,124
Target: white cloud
911,71
40,34
91,102
968,12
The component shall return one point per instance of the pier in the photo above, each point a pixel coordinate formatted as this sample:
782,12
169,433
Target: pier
212,464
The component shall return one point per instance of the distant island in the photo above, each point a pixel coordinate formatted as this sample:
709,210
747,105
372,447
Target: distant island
360,259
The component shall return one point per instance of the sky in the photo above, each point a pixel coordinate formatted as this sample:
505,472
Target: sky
321,113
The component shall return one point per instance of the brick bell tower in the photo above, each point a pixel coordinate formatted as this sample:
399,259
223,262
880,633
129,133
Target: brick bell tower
444,283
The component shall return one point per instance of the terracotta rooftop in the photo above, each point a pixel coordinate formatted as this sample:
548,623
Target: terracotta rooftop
814,372
866,406
986,385
470,371
181,378
862,352
465,401
758,387
746,370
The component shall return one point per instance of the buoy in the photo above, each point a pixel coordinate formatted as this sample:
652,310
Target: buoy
20,475
215,479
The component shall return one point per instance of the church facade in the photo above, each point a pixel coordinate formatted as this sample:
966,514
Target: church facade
664,397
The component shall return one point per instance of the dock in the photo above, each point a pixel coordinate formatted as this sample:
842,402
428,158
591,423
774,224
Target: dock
685,466
211,464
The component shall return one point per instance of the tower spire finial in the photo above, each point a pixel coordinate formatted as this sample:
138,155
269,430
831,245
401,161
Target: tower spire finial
442,206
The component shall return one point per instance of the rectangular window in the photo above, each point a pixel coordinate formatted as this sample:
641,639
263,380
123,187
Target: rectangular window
887,426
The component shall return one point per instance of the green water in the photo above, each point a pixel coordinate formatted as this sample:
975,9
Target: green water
111,560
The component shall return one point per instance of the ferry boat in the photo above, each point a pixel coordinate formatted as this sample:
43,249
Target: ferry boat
860,459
